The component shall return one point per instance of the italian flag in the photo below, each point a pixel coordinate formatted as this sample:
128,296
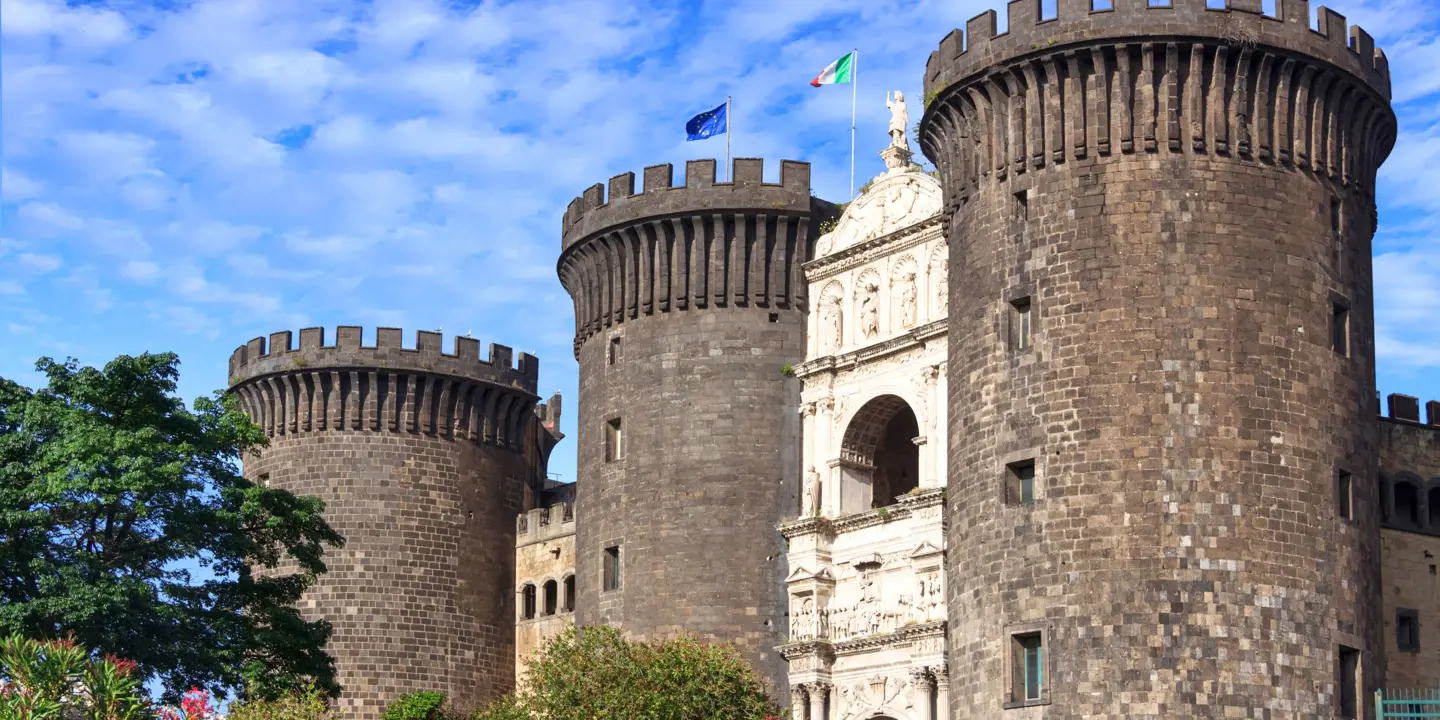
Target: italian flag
836,72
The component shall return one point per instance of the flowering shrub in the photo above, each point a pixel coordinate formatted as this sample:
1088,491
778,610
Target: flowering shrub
194,705
58,680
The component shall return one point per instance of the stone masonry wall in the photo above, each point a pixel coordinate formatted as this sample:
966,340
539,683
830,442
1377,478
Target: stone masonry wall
1409,556
1133,177
544,552
689,302
423,473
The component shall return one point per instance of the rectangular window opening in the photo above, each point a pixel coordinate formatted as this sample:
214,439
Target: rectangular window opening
1344,496
1020,482
1340,329
774,317
264,480
613,356
1348,682
1021,324
1028,667
1407,630
614,441
611,581
1022,205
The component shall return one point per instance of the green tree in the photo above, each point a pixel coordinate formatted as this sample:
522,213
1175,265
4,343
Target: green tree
125,521
595,672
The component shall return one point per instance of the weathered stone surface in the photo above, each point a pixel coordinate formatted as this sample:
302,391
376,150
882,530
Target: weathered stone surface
423,461
1410,545
1181,400
689,303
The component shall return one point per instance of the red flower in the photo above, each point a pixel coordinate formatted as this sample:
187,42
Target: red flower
121,665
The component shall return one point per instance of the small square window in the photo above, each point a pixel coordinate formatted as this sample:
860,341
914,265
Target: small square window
614,441
1028,672
611,581
1020,483
1345,496
1340,329
1021,324
1407,630
1347,682
613,354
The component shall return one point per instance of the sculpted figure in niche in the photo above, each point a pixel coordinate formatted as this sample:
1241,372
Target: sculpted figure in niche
832,318
811,500
899,119
907,300
870,311
899,199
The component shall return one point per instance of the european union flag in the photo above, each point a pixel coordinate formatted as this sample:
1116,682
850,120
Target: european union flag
708,123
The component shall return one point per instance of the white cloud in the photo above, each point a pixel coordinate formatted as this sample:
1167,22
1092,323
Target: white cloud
15,186
48,218
142,271
37,263
10,287
108,156
85,27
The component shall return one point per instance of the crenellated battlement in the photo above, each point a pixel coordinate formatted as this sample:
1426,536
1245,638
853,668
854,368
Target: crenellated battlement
315,387
980,46
596,210
544,523
680,247
261,356
1406,408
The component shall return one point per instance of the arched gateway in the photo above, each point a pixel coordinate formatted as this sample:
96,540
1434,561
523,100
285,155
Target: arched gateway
867,611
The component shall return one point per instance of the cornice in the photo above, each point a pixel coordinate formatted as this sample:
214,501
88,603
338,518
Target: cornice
911,339
904,507
862,252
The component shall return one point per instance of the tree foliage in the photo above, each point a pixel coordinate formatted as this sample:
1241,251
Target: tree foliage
125,521
416,706
595,672
59,680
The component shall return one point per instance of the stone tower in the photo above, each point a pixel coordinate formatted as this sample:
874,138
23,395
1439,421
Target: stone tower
1162,359
689,304
423,460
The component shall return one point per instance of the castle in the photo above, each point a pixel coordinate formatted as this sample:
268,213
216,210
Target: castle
1084,424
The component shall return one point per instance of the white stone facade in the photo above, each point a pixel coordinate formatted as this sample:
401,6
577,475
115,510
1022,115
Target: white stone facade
867,603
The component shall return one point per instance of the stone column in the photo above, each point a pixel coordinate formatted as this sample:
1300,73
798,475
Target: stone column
922,687
929,477
941,674
798,699
818,691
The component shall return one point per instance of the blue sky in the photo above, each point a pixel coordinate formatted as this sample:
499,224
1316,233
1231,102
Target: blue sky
187,175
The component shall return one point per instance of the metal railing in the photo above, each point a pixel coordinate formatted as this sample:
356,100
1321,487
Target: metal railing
1407,703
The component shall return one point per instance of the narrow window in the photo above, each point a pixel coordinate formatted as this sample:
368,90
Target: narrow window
1335,234
570,594
1022,205
527,602
614,441
1340,329
1028,667
552,597
1020,324
1020,483
613,355
1349,682
1407,630
612,568
1407,505
1344,496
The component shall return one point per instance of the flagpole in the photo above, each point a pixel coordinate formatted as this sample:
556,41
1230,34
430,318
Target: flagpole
729,130
854,81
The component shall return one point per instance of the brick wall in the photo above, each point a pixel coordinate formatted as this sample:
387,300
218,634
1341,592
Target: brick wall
1409,556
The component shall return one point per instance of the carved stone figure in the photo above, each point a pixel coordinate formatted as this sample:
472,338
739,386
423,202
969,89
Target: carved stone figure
940,270
811,506
899,119
870,311
907,300
833,319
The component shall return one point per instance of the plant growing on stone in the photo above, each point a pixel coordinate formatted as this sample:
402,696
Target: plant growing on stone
109,488
595,672
416,706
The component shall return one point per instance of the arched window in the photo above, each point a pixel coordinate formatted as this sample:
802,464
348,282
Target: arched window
883,461
552,594
527,602
570,593
1407,504
1434,509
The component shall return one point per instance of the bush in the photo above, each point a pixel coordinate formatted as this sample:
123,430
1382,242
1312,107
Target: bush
595,672
53,679
416,706
308,703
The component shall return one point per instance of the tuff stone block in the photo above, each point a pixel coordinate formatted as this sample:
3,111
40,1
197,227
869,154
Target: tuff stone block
423,460
1188,453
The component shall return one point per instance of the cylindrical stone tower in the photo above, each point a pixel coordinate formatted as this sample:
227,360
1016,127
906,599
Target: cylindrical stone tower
423,460
689,304
1162,359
